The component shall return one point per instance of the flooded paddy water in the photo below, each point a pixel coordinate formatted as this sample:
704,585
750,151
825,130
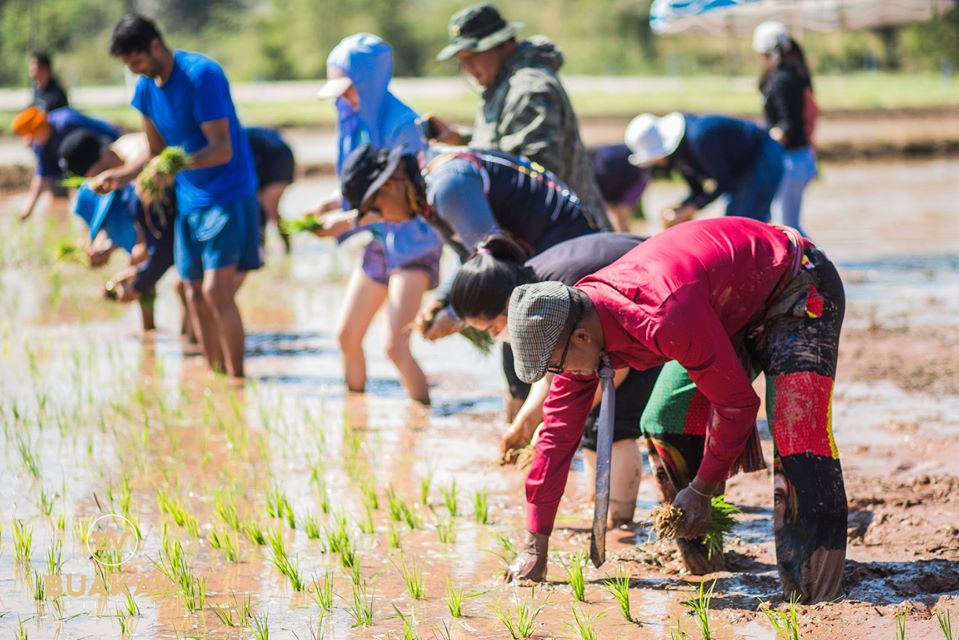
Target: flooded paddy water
239,494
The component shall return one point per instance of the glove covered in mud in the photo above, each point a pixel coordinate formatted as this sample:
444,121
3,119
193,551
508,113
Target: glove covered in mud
530,564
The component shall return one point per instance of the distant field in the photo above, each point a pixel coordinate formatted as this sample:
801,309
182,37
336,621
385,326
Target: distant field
863,91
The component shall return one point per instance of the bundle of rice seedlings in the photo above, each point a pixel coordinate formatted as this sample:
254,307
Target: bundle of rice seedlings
304,224
482,340
667,520
159,172
73,182
67,251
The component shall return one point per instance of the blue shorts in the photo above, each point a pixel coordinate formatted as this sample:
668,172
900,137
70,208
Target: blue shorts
220,236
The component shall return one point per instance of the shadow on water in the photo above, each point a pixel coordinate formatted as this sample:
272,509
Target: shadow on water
297,343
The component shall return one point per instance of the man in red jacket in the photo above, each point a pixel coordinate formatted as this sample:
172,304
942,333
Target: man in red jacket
720,297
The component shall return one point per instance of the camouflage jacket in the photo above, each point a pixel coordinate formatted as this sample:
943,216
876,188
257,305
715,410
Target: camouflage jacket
526,112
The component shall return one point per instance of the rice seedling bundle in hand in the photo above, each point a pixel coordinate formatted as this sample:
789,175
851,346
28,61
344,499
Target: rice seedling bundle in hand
307,223
668,520
482,340
73,182
158,174
67,251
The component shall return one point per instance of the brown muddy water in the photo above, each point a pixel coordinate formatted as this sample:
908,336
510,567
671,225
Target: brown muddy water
101,421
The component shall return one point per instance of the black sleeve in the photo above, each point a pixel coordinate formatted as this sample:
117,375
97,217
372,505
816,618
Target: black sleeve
571,261
784,107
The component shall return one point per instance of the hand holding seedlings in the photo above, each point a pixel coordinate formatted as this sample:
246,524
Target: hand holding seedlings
695,502
530,564
158,175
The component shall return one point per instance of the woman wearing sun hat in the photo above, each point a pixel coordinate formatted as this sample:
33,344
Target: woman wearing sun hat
741,160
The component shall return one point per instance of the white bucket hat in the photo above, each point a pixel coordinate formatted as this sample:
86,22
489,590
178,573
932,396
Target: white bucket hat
650,138
769,34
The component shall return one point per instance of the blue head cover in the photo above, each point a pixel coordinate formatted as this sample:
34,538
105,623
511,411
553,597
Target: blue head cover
110,213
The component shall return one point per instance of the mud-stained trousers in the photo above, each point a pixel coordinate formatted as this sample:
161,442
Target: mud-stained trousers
795,345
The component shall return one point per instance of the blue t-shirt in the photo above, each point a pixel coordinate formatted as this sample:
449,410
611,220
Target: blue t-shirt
197,91
64,121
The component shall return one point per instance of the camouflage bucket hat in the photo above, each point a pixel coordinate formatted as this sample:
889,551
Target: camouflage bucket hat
478,28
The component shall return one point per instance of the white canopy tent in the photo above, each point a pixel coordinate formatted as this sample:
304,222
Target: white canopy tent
739,17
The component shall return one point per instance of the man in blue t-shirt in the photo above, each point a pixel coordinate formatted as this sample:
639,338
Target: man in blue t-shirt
185,101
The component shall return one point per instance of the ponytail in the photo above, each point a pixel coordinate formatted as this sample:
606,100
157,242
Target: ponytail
484,283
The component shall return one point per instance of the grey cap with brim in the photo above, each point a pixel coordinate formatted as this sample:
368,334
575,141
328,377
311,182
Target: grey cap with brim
537,318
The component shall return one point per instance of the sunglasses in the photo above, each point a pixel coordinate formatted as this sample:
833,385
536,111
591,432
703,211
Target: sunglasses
559,368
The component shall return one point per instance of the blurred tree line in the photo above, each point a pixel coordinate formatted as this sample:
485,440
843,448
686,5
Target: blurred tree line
289,39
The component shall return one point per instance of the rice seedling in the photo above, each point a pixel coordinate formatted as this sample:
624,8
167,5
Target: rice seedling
699,608
361,609
155,177
366,523
412,578
618,587
356,570
508,551
277,544
311,526
193,592
584,624
277,504
575,577
454,599
242,608
785,623
57,605
520,625
323,591
678,633
901,617
46,502
425,483
227,512
393,538
173,506
291,569
21,630
944,618
396,505
481,507
409,623
446,532
22,541
411,519
253,532
370,500
29,457
55,557
304,224
667,520
39,588
224,615
227,542
130,606
450,499
260,627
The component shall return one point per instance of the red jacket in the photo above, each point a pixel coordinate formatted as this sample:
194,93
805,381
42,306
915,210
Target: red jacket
679,296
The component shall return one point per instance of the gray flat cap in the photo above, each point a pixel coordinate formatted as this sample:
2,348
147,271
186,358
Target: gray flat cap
538,314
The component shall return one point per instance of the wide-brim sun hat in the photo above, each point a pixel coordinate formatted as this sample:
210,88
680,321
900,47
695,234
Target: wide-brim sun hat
651,138
768,35
537,318
476,29
334,88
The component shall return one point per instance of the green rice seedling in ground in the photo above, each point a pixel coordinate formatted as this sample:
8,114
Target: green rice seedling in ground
370,500
39,592
277,504
227,512
785,623
21,630
446,532
356,570
425,483
172,506
253,532
454,599
481,507
618,587
126,624
522,624
260,626
130,607
55,557
311,526
57,605
699,608
411,519
393,537
29,457
242,609
227,542
574,574
450,499
224,615
361,610
507,552
323,591
46,502
396,506
944,618
409,623
193,593
277,544
62,522
366,523
22,541
290,568
901,619
412,578
584,624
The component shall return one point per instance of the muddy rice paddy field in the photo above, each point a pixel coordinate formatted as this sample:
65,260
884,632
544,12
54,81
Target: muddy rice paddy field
143,497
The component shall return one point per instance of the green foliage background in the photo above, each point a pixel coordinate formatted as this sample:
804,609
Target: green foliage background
289,39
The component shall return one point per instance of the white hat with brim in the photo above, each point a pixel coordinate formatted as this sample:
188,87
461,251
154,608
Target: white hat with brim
334,88
650,138
483,44
768,35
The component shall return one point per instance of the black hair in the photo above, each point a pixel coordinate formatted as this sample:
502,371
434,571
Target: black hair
42,58
133,34
787,55
483,285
